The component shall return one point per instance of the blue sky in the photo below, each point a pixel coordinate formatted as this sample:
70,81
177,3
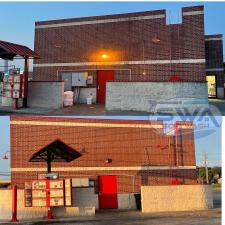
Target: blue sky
17,19
207,139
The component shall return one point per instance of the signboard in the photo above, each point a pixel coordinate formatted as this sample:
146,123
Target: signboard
46,193
68,192
13,84
50,176
28,194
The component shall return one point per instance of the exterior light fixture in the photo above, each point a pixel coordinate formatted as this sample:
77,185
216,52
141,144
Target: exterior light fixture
108,160
155,39
5,157
57,46
104,56
144,73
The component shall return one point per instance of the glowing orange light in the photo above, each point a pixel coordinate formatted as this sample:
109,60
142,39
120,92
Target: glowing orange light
104,56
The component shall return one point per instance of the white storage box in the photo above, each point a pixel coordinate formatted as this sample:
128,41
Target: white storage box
68,98
89,101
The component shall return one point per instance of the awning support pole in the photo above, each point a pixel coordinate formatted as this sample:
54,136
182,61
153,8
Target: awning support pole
26,72
49,162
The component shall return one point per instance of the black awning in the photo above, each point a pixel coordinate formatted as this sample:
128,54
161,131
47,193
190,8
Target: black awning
56,151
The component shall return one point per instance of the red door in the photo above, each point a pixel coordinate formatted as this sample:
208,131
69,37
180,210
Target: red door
107,194
102,77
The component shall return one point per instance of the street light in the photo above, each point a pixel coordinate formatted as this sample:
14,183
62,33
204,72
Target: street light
156,39
5,157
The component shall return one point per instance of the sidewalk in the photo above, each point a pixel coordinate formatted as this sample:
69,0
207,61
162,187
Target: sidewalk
7,110
206,217
216,106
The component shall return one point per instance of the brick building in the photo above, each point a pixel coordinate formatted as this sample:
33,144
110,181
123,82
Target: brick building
131,49
214,65
136,152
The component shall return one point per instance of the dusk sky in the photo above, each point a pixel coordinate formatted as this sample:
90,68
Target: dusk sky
17,19
207,139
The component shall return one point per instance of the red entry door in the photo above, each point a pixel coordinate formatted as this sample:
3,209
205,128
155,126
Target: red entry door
102,77
107,194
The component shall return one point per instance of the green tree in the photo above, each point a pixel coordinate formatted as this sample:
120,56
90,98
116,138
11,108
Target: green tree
211,171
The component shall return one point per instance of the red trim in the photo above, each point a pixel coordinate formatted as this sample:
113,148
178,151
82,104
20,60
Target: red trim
14,203
47,193
175,78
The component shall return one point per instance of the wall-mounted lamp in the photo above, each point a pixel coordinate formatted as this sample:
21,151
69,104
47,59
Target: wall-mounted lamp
108,160
104,56
155,39
5,157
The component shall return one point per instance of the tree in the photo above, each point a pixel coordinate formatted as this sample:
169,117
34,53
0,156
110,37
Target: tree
212,172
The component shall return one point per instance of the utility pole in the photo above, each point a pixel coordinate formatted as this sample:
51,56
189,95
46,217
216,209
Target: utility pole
205,162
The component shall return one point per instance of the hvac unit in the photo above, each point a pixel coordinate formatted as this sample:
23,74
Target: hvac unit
79,79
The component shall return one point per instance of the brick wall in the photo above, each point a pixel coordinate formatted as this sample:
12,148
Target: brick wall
214,57
124,41
136,152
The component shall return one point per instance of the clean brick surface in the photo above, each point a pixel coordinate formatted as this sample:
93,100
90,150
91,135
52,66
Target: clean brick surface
126,146
131,40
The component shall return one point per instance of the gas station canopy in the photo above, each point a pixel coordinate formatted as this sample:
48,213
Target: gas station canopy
56,151
9,50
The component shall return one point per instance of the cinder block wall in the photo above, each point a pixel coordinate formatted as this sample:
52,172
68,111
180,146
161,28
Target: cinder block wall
149,96
77,209
23,212
46,94
84,203
176,198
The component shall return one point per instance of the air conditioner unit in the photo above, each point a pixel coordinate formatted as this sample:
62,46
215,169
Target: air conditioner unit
79,79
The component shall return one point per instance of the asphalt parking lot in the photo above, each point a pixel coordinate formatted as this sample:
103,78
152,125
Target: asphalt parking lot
206,217
217,108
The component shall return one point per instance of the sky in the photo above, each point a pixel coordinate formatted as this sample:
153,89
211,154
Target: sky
17,18
207,135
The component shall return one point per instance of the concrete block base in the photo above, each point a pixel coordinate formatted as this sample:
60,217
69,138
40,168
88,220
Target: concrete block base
155,96
46,94
220,92
176,198
10,102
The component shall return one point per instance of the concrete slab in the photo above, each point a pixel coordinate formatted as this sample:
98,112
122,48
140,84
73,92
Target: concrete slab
207,217
7,110
217,107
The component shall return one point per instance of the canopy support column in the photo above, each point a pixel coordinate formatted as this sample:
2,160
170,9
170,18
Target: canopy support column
49,162
26,72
